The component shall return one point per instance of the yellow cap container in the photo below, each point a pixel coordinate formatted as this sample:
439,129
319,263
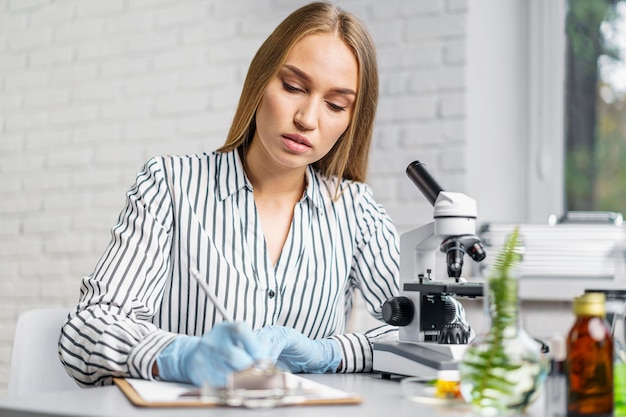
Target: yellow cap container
590,304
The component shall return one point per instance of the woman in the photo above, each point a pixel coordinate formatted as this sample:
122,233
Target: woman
277,221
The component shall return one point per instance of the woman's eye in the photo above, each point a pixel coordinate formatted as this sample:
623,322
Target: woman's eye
336,107
290,87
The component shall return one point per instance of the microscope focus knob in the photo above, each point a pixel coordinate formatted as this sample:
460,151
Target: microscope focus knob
454,334
398,311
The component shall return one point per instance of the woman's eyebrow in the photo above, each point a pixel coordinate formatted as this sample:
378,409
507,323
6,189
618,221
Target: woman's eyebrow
306,77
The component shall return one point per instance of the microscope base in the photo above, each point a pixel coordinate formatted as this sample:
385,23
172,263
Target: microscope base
422,359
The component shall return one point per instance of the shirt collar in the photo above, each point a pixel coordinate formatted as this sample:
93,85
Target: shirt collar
231,175
232,179
313,190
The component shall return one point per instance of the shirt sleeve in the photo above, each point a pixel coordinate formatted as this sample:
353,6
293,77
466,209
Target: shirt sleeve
375,272
110,334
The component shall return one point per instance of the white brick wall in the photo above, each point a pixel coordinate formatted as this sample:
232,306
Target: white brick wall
90,89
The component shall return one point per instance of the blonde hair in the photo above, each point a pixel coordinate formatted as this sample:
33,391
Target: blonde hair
349,157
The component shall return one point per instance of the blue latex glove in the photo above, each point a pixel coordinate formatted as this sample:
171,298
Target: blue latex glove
227,348
292,350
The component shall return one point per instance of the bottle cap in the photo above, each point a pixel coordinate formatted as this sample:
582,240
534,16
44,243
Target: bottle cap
590,304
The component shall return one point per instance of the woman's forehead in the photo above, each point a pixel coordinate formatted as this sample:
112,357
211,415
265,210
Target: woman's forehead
324,57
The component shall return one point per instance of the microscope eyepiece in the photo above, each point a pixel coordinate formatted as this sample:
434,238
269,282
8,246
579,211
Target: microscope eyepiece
417,172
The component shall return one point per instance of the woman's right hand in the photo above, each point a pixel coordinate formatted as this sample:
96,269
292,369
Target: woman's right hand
227,348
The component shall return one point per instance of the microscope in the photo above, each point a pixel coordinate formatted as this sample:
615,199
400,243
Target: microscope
433,332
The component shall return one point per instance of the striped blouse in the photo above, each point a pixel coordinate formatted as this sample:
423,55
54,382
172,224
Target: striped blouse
198,211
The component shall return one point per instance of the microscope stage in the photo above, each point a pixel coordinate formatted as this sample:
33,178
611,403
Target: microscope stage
466,289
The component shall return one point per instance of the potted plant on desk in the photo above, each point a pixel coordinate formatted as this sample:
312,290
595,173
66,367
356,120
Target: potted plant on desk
503,369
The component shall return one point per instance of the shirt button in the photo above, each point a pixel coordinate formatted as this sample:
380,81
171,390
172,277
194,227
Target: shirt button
271,293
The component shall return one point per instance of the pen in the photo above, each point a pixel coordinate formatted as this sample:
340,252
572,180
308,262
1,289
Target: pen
212,297
249,387
263,373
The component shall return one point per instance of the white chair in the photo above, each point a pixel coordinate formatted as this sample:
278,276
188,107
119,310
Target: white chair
35,364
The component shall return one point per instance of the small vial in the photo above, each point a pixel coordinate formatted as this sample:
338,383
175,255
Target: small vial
448,384
589,365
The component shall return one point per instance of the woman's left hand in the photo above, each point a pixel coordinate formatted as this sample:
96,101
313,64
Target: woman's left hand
292,350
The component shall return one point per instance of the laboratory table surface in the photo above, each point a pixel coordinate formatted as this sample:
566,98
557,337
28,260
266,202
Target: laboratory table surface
381,397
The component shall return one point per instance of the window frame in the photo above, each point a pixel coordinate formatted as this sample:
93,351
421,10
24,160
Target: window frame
516,130
545,109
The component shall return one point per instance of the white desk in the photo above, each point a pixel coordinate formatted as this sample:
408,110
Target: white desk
381,398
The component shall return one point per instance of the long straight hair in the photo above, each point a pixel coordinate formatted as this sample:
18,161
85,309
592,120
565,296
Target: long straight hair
349,157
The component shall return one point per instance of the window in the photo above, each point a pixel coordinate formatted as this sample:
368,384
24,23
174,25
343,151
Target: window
557,132
595,105
516,114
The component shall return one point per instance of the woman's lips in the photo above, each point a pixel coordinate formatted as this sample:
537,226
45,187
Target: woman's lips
297,143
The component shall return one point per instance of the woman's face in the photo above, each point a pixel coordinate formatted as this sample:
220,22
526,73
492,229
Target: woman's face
309,103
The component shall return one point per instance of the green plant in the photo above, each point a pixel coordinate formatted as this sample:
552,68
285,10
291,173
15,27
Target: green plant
487,366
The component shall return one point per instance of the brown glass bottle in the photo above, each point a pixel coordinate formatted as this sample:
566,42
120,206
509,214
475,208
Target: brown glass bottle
589,360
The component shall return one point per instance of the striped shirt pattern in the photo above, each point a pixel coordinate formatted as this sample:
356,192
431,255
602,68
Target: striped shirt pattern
198,211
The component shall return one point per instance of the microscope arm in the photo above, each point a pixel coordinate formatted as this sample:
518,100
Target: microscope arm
423,236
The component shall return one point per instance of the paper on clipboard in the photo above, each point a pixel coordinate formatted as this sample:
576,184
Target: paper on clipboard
143,393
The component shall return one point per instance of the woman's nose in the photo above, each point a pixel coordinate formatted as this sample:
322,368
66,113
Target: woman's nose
306,115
